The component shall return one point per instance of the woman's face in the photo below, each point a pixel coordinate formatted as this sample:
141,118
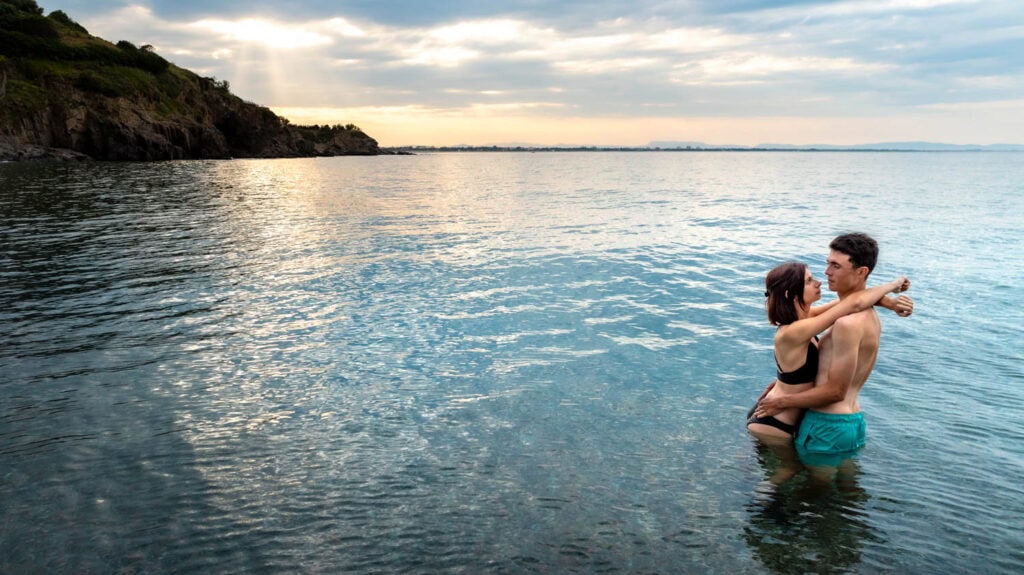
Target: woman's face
812,288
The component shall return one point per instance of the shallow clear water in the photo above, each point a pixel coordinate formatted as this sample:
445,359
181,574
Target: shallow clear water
494,363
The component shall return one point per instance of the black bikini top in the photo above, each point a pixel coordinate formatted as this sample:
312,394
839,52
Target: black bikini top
805,373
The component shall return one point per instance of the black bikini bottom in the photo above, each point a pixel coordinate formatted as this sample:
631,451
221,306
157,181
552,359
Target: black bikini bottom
772,421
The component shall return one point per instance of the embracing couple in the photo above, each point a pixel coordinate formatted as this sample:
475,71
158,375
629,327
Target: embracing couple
813,401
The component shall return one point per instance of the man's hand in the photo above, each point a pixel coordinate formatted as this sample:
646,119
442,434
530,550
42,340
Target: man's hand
903,306
769,406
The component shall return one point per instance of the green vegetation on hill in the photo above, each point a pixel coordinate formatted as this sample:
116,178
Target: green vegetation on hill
61,88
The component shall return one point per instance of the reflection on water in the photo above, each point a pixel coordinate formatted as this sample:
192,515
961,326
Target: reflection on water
807,521
485,363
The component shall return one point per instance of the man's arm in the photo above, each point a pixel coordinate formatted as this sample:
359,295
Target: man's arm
846,337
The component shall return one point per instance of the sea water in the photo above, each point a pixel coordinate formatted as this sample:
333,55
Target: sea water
495,363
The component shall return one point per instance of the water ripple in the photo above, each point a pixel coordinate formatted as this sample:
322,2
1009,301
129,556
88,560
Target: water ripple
488,364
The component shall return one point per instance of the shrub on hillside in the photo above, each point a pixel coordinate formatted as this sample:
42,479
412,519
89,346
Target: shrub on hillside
27,23
60,16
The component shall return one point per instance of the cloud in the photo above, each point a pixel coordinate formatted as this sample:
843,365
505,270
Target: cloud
523,59
264,32
342,27
860,7
855,9
754,67
443,56
997,106
482,32
606,65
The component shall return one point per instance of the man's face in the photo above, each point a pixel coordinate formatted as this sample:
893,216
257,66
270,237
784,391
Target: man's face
841,274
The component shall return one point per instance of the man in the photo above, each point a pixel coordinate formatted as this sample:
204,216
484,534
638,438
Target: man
833,426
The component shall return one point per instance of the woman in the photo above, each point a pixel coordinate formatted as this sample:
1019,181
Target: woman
791,289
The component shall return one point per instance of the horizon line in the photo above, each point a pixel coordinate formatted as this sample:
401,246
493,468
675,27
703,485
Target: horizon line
890,147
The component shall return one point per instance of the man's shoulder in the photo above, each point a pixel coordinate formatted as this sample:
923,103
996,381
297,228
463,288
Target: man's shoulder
855,322
858,318
857,329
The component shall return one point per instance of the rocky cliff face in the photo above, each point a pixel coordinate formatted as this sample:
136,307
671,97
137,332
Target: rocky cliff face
66,94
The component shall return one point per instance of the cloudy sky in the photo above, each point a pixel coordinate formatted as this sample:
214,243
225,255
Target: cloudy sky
604,72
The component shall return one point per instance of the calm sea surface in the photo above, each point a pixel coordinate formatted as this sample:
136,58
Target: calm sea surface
494,363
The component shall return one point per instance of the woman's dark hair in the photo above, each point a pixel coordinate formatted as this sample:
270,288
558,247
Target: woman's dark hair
782,284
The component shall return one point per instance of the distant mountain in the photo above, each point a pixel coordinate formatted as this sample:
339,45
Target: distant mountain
691,145
67,94
894,146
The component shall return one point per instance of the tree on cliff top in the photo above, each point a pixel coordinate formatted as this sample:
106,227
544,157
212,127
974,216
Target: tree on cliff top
66,20
21,6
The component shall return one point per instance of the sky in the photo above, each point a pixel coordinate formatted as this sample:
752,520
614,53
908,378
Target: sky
603,72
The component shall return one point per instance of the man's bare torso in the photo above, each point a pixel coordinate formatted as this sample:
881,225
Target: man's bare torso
870,329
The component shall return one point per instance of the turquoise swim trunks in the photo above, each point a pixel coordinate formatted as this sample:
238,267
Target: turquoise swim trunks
826,439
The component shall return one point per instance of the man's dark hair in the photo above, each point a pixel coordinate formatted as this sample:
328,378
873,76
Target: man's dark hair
782,284
862,249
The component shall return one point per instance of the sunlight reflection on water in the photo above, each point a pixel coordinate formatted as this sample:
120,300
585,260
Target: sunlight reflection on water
490,363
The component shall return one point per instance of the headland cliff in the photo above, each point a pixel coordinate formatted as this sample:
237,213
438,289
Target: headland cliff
66,94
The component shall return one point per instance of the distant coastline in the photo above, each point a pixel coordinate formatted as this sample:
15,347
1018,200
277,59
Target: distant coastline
925,147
